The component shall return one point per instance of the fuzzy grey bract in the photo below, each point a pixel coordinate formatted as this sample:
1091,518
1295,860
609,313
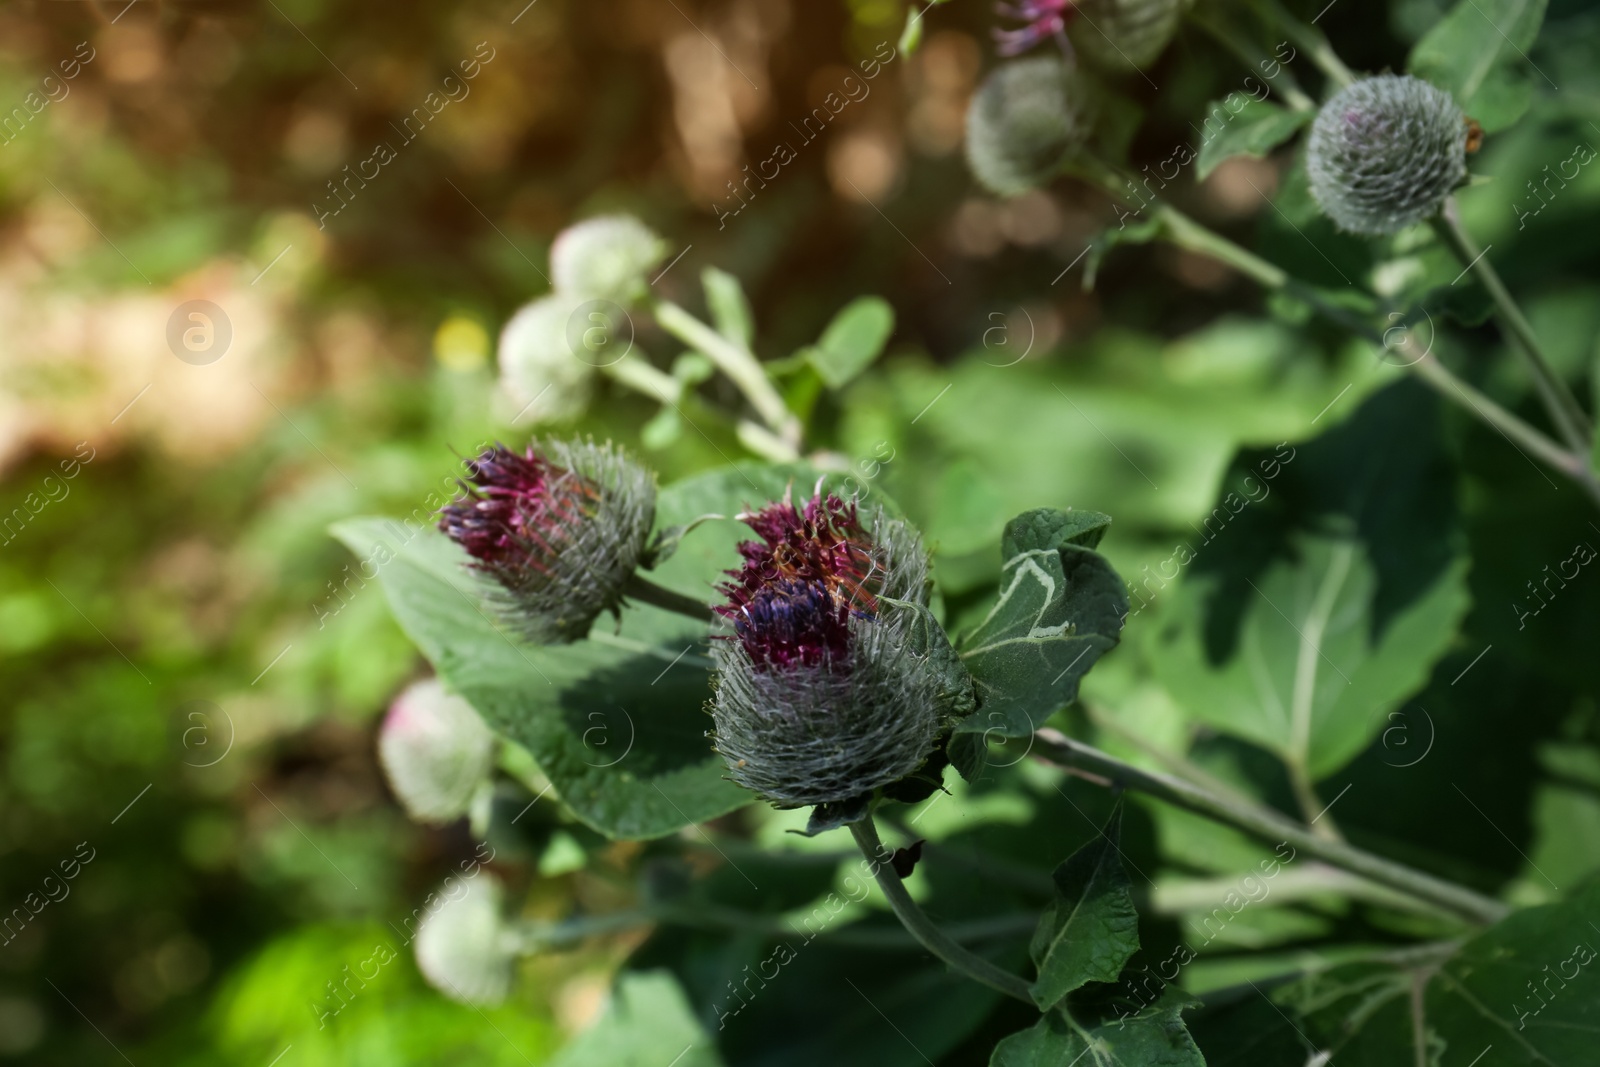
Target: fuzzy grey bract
1385,152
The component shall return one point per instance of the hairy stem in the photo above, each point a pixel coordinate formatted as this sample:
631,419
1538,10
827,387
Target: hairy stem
641,588
737,362
1270,827
1311,39
1242,44
1185,232
922,928
1570,420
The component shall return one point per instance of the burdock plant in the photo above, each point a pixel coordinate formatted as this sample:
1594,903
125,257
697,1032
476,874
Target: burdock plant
559,528
823,694
1385,152
1027,120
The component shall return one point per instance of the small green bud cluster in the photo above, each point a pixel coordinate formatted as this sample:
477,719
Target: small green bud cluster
436,752
599,268
465,948
1027,119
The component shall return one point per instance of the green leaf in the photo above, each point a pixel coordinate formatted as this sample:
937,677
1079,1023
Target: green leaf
647,1022
730,309
1254,130
1155,1037
1060,608
911,36
1479,54
1526,988
615,722
852,341
1309,677
1091,929
1047,528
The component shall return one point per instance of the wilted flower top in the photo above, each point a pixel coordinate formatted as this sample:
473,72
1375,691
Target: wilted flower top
560,527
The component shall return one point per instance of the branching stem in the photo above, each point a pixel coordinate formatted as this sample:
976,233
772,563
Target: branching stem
1570,420
737,362
1270,827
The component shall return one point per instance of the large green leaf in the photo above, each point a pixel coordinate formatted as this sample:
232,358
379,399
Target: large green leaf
1059,610
1310,675
1155,1037
1479,53
647,1023
1091,929
1254,130
616,722
1524,993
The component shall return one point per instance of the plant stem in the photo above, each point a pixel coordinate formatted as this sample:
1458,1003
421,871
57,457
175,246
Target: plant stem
1244,48
922,928
1185,232
642,377
764,443
1570,420
737,362
641,588
1270,826
1312,40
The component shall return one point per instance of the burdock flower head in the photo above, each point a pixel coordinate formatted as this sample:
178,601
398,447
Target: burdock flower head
1385,152
1027,119
560,528
827,688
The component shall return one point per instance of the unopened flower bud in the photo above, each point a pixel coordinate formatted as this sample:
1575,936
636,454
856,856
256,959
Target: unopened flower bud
822,693
559,528
1123,35
1027,119
1385,152
539,371
464,947
436,752
605,258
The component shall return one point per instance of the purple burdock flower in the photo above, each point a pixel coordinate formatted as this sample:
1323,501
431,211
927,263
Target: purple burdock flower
1044,18
822,693
560,528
